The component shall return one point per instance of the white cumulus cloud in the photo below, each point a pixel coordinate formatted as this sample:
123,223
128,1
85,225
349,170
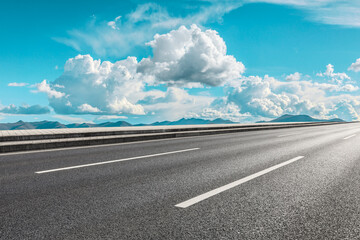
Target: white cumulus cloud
293,77
124,106
355,66
186,57
191,55
347,110
98,87
268,97
45,87
157,86
331,74
86,108
220,108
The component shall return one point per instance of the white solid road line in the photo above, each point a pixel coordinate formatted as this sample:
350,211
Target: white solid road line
94,146
216,191
349,136
114,161
285,135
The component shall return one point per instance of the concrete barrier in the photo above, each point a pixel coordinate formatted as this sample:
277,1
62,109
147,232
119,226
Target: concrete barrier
27,140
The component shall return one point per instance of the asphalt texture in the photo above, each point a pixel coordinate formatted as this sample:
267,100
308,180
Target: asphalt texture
316,197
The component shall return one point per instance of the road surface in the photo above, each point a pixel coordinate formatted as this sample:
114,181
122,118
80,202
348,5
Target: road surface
298,183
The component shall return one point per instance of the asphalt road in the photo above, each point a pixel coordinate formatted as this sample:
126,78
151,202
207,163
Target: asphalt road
229,186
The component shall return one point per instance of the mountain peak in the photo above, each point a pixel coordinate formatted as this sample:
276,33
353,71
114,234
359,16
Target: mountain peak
302,118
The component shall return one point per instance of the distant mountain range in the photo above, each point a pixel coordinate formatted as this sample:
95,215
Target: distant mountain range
189,121
51,125
303,118
184,121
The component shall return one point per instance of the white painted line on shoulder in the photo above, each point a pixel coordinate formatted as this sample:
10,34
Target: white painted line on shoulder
114,161
216,191
349,136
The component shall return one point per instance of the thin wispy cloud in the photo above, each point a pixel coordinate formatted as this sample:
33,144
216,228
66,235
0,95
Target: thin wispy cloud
16,84
118,37
70,119
24,109
335,12
111,117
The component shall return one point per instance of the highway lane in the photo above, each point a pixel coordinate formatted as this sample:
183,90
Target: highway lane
314,197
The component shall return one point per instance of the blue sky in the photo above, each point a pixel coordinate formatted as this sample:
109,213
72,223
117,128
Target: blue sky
244,60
